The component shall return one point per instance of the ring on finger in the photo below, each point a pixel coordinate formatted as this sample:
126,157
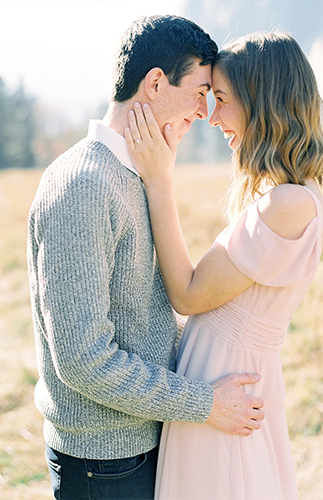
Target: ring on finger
138,141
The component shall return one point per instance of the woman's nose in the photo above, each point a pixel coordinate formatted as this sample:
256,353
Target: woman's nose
214,118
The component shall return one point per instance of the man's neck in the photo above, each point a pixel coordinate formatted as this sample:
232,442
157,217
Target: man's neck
117,116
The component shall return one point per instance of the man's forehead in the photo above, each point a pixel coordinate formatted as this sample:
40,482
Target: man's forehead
201,76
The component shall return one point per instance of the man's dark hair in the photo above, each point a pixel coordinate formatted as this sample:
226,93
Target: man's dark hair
171,43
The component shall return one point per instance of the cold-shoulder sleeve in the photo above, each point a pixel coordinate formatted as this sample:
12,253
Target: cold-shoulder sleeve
265,257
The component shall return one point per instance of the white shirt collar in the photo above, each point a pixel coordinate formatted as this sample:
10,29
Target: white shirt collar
98,131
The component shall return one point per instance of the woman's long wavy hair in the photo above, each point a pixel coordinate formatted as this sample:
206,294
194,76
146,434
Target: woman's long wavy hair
274,83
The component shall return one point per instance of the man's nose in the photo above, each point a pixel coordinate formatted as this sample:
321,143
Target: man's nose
203,111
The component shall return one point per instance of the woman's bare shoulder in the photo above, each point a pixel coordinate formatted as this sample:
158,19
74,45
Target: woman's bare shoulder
287,210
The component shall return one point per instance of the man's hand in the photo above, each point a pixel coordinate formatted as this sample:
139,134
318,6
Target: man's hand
233,410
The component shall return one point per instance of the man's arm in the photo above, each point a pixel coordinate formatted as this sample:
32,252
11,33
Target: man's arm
75,271
75,264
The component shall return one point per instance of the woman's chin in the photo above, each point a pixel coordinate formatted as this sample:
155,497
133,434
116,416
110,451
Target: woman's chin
234,143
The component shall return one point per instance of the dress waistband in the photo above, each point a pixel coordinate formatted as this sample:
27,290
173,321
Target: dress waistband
234,324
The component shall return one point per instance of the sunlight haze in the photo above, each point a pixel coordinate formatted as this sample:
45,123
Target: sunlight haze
62,50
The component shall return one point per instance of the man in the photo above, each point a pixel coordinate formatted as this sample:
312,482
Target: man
105,330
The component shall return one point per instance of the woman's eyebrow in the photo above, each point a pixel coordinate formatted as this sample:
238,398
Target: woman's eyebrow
219,92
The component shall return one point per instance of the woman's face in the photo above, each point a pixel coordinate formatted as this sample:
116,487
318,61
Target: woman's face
228,113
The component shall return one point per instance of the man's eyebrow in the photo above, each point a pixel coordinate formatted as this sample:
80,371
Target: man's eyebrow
207,85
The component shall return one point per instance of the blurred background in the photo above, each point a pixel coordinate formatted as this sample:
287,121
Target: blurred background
55,65
56,59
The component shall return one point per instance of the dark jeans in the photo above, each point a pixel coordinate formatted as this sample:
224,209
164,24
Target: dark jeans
83,479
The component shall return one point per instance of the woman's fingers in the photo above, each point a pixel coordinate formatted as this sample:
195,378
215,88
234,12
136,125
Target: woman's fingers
155,132
142,124
150,120
152,152
135,131
138,130
144,127
129,139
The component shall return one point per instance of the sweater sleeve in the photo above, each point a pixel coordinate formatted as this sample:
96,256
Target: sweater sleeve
75,263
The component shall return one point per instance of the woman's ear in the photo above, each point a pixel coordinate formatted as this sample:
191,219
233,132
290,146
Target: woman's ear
154,82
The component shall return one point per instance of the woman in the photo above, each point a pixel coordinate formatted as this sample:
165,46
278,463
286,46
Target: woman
243,292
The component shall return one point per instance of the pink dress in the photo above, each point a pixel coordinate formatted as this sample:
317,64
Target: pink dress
198,462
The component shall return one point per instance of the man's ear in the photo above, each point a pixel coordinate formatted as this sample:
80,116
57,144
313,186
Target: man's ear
154,82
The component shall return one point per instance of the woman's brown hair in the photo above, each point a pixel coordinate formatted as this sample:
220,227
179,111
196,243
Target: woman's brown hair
275,85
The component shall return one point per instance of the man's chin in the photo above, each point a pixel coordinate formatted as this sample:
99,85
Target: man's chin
180,134
179,137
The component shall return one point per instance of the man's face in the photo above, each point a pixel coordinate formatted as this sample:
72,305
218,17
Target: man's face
181,106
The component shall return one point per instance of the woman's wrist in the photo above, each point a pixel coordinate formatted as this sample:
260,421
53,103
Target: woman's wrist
157,184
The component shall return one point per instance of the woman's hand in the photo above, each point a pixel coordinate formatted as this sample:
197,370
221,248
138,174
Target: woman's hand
152,154
215,280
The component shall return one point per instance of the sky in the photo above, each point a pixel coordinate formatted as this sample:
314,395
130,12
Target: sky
62,50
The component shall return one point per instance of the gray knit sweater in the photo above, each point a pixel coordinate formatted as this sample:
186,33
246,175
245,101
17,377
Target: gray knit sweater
104,327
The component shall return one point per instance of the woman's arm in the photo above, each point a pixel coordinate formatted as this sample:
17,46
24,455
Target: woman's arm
215,280
286,210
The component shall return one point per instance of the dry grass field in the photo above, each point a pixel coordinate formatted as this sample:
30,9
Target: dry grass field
200,192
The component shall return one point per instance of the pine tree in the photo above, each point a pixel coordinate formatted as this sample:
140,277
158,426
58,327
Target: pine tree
17,128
